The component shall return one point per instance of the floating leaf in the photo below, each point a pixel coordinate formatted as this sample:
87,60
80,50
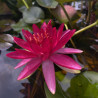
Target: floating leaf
63,1
20,25
59,75
33,15
47,3
84,85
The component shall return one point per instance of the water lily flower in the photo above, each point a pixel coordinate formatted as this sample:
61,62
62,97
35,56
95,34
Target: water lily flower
45,47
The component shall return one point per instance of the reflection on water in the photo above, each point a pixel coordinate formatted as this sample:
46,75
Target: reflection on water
9,86
65,83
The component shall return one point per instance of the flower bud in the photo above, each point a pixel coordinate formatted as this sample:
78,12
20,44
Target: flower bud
60,15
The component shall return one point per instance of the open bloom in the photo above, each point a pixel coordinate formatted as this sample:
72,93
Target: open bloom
45,47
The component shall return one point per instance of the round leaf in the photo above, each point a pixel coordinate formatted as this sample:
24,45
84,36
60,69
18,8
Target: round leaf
33,15
47,3
21,25
84,85
63,1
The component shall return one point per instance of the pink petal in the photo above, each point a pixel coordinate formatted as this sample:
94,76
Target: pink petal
36,48
65,61
22,43
68,50
64,39
35,29
20,54
44,25
46,45
26,52
54,37
49,43
23,62
30,68
49,23
49,75
69,70
49,29
60,30
28,36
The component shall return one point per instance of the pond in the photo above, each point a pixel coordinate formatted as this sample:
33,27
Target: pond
9,86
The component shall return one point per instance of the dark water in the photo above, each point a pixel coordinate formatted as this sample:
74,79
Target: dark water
9,86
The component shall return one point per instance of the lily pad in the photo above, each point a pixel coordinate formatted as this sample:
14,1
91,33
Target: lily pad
84,85
21,25
63,1
47,3
33,15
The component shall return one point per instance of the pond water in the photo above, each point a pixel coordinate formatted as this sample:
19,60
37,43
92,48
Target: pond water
9,86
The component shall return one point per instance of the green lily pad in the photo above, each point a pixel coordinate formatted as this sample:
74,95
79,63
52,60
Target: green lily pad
33,15
21,25
63,1
47,3
59,75
84,85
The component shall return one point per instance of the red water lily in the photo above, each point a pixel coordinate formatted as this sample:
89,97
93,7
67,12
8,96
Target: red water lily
45,47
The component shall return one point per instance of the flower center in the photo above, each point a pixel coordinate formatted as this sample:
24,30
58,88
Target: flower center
39,37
